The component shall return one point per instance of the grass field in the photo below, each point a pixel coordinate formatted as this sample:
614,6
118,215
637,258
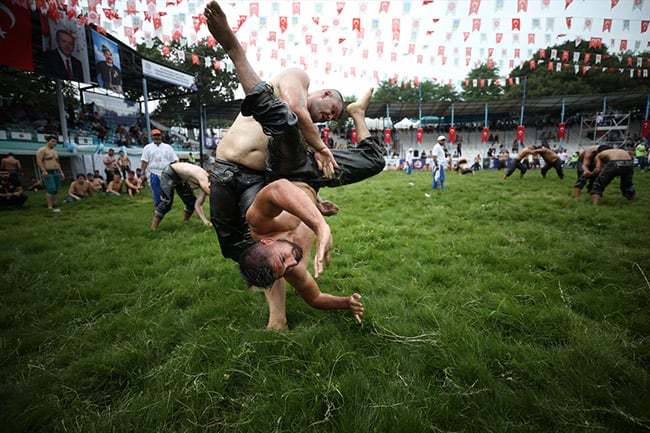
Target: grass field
490,307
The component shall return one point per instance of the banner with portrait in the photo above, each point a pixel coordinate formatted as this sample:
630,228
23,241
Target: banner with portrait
59,48
107,67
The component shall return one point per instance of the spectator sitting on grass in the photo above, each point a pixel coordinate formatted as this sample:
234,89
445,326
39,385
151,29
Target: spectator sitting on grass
133,186
11,193
114,186
80,189
35,185
96,182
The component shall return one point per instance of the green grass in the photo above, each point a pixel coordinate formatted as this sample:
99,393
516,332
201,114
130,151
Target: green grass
490,307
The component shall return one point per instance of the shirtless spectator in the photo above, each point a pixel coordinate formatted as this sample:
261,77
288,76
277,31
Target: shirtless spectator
132,183
96,182
80,189
110,165
51,172
12,165
114,187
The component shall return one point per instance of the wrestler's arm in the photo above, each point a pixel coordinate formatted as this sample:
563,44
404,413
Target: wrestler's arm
308,290
282,195
294,84
598,167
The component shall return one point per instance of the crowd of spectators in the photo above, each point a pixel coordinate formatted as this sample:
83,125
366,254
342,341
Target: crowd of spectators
83,122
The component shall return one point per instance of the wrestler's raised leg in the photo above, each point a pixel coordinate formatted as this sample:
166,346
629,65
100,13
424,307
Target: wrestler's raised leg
357,111
218,26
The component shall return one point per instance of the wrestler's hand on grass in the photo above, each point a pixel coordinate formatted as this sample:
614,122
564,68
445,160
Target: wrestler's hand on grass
356,306
323,248
326,162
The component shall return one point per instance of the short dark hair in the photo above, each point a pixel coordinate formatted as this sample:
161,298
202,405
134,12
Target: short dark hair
255,268
51,137
343,104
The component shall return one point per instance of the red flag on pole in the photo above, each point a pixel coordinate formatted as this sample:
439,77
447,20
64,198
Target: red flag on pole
418,137
561,133
484,134
326,135
354,136
644,129
452,135
16,43
386,136
520,133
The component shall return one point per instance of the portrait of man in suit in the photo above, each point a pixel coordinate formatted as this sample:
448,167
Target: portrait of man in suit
60,62
109,75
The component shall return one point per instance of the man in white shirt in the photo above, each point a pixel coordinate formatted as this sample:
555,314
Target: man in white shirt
439,162
155,157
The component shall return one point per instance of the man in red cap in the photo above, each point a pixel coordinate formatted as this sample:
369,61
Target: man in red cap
155,157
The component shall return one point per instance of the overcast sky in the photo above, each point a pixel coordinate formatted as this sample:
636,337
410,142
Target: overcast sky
438,40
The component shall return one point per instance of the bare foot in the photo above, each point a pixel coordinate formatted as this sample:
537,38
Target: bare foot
278,326
359,106
218,26
327,208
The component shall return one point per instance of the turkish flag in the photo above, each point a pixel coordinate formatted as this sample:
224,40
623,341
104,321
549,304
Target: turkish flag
326,135
474,7
520,133
386,136
644,129
484,135
561,133
418,137
354,136
16,43
452,135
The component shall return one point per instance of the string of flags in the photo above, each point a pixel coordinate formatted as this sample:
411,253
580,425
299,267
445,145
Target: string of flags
372,39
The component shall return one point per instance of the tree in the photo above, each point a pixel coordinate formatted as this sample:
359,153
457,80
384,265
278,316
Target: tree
389,91
34,92
178,107
487,87
596,71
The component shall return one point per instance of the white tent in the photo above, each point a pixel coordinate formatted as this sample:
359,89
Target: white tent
405,123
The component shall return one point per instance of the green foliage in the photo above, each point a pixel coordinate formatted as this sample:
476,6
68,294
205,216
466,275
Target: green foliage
215,85
387,91
612,72
492,306
33,91
486,90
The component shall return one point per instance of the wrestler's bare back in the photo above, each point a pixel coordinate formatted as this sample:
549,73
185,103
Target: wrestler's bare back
245,143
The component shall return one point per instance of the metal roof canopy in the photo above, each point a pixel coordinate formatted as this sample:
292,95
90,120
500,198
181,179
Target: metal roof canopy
541,105
546,105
